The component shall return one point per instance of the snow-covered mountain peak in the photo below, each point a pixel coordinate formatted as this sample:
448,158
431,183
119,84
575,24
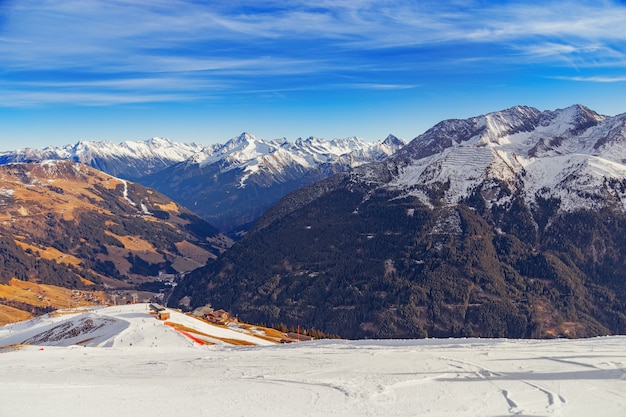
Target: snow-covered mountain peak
482,131
80,145
249,153
244,148
128,159
392,140
497,127
572,154
510,126
571,120
580,115
241,141
158,142
198,158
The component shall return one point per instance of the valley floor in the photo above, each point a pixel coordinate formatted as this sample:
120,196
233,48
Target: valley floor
468,377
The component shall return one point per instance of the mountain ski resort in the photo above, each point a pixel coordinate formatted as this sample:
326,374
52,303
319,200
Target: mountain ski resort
476,270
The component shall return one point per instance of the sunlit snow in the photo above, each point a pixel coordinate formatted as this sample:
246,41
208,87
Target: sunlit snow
252,154
165,374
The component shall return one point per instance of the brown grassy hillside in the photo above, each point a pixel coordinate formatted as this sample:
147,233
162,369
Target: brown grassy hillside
71,226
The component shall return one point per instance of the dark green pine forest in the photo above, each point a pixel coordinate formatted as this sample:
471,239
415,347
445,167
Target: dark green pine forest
363,262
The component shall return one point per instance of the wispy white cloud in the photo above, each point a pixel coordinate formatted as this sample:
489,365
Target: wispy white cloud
13,98
595,79
251,66
370,86
119,45
130,84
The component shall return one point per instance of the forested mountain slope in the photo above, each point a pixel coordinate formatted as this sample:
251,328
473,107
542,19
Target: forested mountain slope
508,224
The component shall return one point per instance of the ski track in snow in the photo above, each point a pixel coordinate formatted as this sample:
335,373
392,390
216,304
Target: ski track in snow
552,402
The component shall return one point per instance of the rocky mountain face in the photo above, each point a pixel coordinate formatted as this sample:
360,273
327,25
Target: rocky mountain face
70,225
510,224
231,185
129,160
572,155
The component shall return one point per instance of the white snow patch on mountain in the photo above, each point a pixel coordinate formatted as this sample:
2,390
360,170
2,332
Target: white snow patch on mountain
145,210
7,192
125,193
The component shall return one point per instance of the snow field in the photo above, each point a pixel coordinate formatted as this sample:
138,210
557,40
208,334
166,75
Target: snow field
431,377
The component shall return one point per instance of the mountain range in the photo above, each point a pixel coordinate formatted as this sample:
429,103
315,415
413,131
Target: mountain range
230,185
129,160
509,224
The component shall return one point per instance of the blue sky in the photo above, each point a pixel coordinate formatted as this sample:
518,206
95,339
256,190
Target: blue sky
205,71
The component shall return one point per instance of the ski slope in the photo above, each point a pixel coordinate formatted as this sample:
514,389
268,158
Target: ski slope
125,326
164,373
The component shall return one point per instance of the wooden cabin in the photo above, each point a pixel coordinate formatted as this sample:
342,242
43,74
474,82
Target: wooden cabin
218,317
160,311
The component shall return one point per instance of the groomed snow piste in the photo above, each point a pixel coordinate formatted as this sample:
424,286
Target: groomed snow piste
163,373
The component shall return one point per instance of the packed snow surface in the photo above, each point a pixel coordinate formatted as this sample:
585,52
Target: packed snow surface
169,376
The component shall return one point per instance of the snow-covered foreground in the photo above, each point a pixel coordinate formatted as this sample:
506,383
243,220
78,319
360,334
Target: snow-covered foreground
468,377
